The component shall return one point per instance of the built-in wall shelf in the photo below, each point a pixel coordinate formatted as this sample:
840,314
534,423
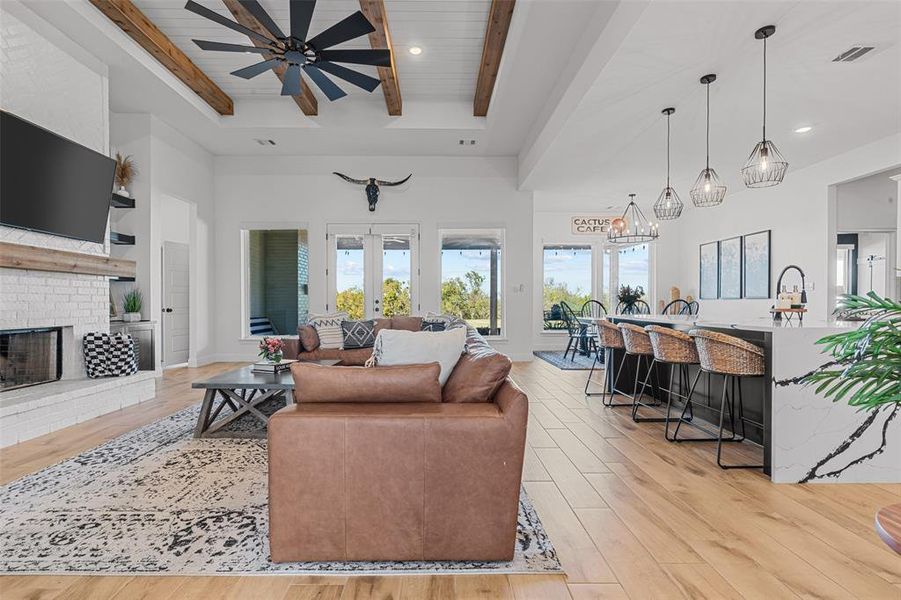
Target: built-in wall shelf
120,201
21,256
121,279
121,239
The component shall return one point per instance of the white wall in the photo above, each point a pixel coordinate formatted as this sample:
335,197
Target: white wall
867,204
47,79
443,193
172,169
797,211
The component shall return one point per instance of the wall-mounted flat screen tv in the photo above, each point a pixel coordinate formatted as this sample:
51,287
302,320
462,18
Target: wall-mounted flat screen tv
51,184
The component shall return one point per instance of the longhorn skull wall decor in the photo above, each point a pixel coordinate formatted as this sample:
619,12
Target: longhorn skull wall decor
372,186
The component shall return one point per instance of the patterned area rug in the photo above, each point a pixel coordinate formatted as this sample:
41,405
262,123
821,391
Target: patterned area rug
555,357
156,500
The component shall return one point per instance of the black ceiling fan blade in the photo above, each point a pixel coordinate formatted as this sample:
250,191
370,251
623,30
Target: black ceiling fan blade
223,47
328,87
254,70
291,81
347,29
254,8
378,58
355,77
203,11
301,15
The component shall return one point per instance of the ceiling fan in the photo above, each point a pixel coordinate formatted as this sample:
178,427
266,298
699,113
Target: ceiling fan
312,56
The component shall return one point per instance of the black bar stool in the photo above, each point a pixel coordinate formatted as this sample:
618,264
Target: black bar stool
638,343
676,349
735,359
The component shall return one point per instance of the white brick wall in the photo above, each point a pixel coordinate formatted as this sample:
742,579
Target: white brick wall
48,86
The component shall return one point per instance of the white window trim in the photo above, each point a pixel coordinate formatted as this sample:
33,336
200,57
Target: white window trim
502,336
244,241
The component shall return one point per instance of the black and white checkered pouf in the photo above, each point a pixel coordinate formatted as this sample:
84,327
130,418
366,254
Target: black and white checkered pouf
108,355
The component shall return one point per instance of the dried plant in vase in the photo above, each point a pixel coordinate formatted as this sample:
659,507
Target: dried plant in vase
125,173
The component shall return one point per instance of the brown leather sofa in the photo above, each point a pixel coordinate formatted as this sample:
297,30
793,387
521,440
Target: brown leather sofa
409,480
306,346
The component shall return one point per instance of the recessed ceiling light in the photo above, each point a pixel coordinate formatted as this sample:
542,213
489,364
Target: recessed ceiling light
804,129
415,50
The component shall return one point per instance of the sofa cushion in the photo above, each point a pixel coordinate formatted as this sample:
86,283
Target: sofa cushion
329,329
401,347
309,338
381,324
406,323
478,375
354,357
358,334
406,383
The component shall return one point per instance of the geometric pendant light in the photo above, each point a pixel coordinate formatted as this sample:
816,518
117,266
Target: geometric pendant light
632,227
708,189
668,205
765,166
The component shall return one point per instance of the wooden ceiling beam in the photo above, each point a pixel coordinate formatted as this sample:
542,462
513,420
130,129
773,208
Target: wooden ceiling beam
499,17
136,24
381,38
306,101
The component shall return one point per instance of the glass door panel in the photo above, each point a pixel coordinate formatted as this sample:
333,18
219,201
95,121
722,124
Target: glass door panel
397,275
350,275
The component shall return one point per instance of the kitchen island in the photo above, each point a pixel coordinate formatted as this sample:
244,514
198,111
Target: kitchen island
805,437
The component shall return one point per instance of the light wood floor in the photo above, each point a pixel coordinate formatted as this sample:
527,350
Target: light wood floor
631,516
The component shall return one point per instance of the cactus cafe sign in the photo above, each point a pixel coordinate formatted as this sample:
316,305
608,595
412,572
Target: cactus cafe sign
590,225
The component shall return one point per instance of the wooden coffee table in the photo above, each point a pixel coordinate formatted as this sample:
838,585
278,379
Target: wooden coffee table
242,392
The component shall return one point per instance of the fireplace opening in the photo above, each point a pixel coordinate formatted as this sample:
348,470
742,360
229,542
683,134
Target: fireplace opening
30,357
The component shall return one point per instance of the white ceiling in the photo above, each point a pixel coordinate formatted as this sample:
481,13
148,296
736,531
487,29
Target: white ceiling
579,92
613,142
449,31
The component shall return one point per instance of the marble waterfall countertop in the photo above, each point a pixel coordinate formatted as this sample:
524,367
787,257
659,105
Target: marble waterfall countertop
812,439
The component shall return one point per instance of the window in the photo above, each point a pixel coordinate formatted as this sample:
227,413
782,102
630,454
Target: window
567,278
276,280
472,277
607,294
634,268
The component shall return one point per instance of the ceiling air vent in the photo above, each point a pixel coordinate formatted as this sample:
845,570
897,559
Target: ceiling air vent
263,142
853,53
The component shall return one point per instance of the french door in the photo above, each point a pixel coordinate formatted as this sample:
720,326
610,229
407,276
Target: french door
373,269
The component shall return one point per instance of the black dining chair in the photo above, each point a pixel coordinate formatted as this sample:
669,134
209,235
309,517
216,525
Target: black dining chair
639,307
678,307
593,309
573,328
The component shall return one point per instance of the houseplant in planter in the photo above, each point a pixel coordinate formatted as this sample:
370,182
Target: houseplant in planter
628,296
132,302
865,371
125,173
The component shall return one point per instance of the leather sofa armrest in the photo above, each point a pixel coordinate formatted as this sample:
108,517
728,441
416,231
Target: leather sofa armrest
292,347
513,403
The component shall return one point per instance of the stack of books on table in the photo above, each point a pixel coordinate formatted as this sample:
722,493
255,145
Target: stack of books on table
272,368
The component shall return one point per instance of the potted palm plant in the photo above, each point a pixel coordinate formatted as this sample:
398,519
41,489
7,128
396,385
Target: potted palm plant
132,302
865,371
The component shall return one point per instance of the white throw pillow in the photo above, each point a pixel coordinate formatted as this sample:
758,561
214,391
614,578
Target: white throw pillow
398,347
329,329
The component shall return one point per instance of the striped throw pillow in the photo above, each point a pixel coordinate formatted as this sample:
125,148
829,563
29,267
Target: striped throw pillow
329,329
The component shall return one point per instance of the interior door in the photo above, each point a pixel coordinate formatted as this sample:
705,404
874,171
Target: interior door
176,303
373,270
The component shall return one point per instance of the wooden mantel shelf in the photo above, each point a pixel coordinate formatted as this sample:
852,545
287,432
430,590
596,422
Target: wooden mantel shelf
33,258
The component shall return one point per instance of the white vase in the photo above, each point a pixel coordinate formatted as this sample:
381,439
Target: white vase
123,192
131,317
